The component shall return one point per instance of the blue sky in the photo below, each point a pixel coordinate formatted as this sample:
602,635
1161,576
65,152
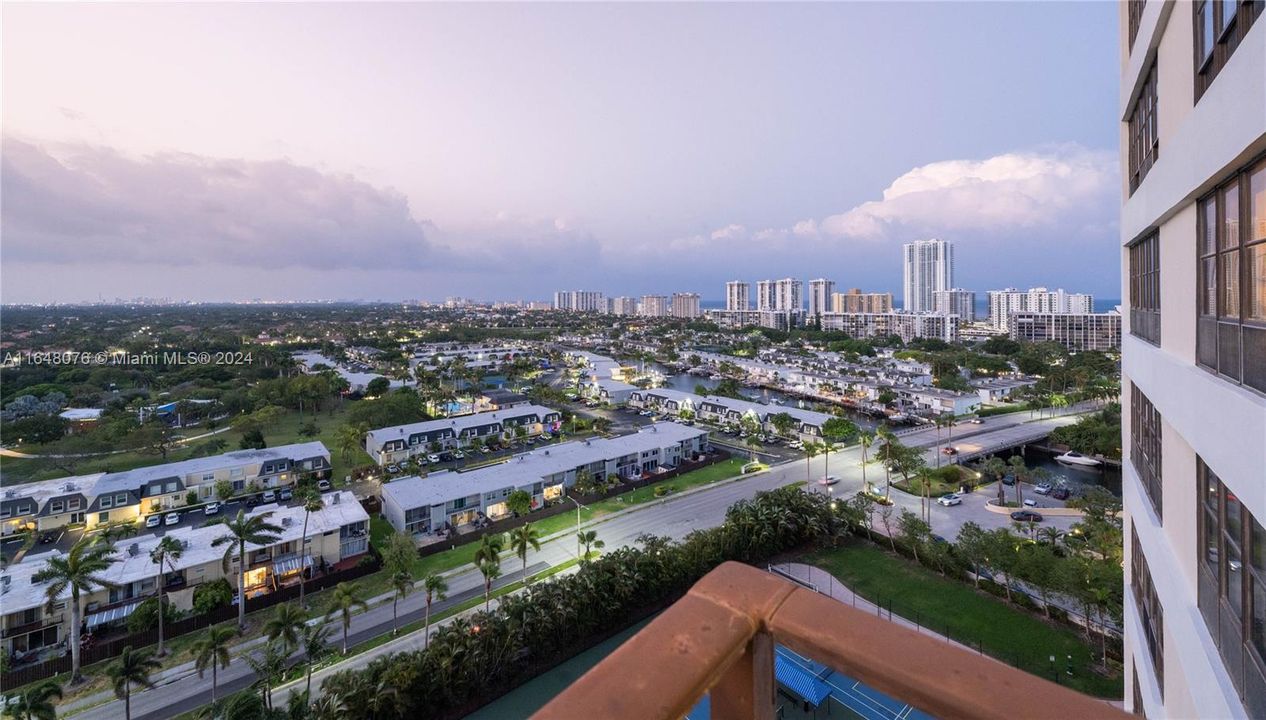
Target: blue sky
401,151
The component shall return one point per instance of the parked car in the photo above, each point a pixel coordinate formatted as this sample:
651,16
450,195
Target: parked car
485,450
285,494
1061,493
1030,502
950,500
1043,489
1026,516
459,455
153,521
828,480
211,509
269,496
546,436
171,518
433,457
324,485
393,468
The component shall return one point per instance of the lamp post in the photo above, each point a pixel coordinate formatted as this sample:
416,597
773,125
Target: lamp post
578,506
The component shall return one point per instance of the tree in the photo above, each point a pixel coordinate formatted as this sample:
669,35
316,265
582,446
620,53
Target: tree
811,450
488,560
972,546
253,439
402,585
865,439
79,571
241,530
36,703
224,490
589,538
914,531
1038,565
519,502
349,438
436,589
269,668
132,668
399,554
286,625
312,502
167,551
783,422
523,539
1003,545
344,601
885,514
377,387
865,505
315,640
211,649
1019,471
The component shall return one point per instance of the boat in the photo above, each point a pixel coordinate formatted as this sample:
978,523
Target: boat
1076,458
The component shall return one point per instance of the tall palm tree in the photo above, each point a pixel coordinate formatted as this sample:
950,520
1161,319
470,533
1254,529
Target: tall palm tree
287,624
436,589
212,650
491,571
488,560
132,668
269,668
312,502
345,599
349,438
36,703
589,538
523,539
402,583
1018,470
243,529
865,439
811,450
79,571
315,639
166,552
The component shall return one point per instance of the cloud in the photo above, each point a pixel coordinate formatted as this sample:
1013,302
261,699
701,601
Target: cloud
79,204
732,231
1008,192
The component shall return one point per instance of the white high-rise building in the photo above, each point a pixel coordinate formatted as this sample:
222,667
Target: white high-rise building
789,295
737,295
820,292
1193,386
1002,303
580,301
765,295
624,305
928,268
655,306
956,302
685,305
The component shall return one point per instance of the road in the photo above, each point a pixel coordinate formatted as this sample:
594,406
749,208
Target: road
675,516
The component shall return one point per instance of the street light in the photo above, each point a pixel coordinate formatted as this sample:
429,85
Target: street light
578,506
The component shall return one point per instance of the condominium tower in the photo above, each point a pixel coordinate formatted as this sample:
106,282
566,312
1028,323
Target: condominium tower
685,305
856,301
955,302
928,268
784,295
1004,303
737,295
1193,386
820,292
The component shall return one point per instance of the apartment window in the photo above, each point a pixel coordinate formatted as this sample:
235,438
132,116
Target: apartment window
1144,139
1151,614
1219,27
72,504
107,501
1145,288
1231,585
1231,309
1135,10
1145,445
56,507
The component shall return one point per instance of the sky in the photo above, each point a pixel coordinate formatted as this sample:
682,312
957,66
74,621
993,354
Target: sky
504,151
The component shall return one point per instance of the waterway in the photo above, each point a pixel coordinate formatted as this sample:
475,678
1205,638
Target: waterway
1074,477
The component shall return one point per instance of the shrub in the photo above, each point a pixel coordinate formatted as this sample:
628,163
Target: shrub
211,596
145,616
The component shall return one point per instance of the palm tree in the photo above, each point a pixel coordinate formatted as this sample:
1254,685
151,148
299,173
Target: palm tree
924,476
79,571
243,529
132,668
491,571
589,538
315,641
865,439
287,624
811,450
436,589
36,703
1018,470
212,650
343,601
269,669
402,583
167,551
521,540
349,438
312,502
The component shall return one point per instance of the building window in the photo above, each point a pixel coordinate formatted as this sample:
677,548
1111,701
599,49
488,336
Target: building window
1145,288
1231,585
1145,445
1144,138
1231,249
1219,27
1135,10
1151,614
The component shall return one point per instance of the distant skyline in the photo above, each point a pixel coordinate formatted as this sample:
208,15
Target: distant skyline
416,151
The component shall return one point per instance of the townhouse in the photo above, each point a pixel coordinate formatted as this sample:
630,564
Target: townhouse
609,391
600,367
399,442
92,500
337,537
729,411
456,499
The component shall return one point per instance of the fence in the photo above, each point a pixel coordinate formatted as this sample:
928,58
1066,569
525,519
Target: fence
111,647
717,455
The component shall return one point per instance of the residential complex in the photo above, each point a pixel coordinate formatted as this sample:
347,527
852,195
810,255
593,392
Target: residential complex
904,325
392,444
655,306
580,301
1075,331
624,305
955,302
774,319
729,411
456,499
126,496
1193,235
856,301
786,295
821,293
685,305
928,267
1004,303
337,537
737,295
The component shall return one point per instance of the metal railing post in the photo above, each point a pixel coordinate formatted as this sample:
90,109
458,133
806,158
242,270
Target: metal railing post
746,690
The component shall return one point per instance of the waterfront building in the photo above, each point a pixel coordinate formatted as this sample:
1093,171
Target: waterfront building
928,267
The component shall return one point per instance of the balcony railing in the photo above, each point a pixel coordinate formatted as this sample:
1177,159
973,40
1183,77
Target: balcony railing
25,628
720,639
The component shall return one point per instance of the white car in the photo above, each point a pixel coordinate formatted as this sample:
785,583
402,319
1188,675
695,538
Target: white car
269,496
324,485
433,458
212,509
171,519
950,499
828,480
153,521
1030,502
459,455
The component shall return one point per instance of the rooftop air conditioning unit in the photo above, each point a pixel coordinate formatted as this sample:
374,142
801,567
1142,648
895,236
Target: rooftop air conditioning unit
133,549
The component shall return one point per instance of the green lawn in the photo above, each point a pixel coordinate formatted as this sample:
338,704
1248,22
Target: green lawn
956,609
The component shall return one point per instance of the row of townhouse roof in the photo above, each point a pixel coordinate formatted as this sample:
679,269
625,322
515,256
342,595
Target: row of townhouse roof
728,410
337,536
434,503
393,444
125,496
